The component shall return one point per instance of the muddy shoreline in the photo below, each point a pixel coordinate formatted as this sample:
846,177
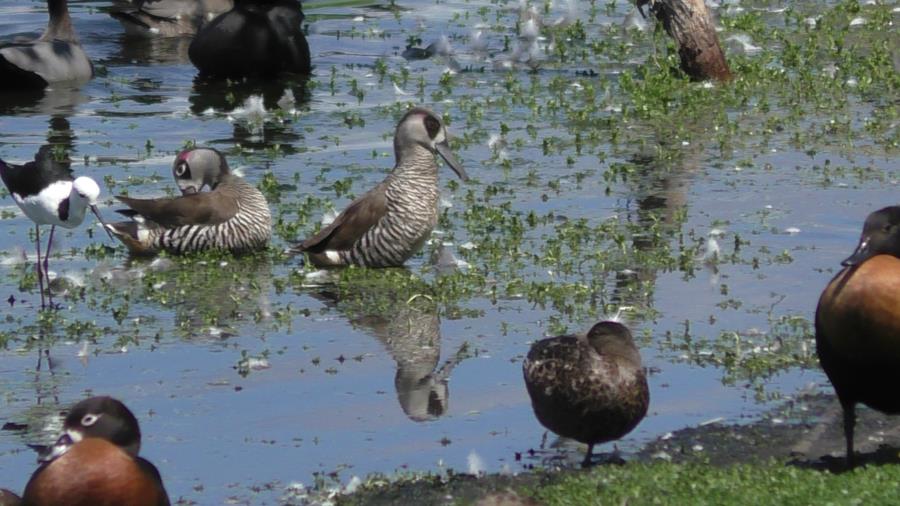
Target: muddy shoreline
804,432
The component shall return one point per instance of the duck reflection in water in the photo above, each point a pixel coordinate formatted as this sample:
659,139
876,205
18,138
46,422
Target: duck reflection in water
226,96
261,111
59,101
126,50
407,324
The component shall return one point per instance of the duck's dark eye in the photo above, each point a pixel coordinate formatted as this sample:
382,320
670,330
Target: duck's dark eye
432,126
182,170
89,419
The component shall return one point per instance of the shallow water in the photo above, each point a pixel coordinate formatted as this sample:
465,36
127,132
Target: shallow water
247,378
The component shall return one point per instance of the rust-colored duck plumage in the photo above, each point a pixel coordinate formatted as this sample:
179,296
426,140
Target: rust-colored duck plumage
94,463
858,323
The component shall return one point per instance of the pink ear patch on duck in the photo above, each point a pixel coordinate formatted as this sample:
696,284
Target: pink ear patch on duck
182,157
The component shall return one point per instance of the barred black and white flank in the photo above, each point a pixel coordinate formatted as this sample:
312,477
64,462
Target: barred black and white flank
234,216
389,223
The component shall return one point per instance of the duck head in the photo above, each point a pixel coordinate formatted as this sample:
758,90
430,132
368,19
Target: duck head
195,168
880,235
98,417
421,127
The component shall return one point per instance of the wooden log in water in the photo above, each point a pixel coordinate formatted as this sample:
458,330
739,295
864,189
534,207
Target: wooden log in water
689,23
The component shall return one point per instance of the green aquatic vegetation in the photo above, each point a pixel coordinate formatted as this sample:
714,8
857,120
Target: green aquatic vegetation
751,357
248,363
272,188
607,113
207,293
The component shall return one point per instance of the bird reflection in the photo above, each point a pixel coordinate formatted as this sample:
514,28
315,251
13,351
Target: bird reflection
58,99
226,95
61,134
657,195
261,111
149,51
409,328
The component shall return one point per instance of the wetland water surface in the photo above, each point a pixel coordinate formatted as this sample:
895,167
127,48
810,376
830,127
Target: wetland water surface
600,180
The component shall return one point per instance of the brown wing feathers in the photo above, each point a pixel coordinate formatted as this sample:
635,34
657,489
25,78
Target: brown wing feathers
361,215
197,209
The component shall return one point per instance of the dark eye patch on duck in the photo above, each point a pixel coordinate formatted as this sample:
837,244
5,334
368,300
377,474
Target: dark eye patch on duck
183,170
432,126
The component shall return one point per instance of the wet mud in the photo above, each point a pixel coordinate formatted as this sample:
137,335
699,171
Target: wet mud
805,432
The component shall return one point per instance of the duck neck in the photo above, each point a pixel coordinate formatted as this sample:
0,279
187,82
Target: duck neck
224,179
60,25
616,346
416,162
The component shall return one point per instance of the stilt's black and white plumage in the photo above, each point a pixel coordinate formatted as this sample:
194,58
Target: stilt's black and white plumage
389,223
233,216
48,195
54,56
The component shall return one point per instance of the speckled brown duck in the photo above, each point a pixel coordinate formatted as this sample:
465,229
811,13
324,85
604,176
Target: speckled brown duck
233,216
858,323
591,388
166,18
389,223
55,56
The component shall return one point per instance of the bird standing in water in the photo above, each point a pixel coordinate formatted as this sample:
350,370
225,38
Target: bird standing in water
95,462
260,38
389,223
166,18
233,216
48,195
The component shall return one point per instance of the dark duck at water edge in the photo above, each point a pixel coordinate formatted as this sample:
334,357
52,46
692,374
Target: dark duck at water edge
858,323
389,223
256,38
166,18
53,57
591,388
94,462
233,216
48,194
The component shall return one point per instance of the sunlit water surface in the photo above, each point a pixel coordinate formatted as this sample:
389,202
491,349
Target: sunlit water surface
330,393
